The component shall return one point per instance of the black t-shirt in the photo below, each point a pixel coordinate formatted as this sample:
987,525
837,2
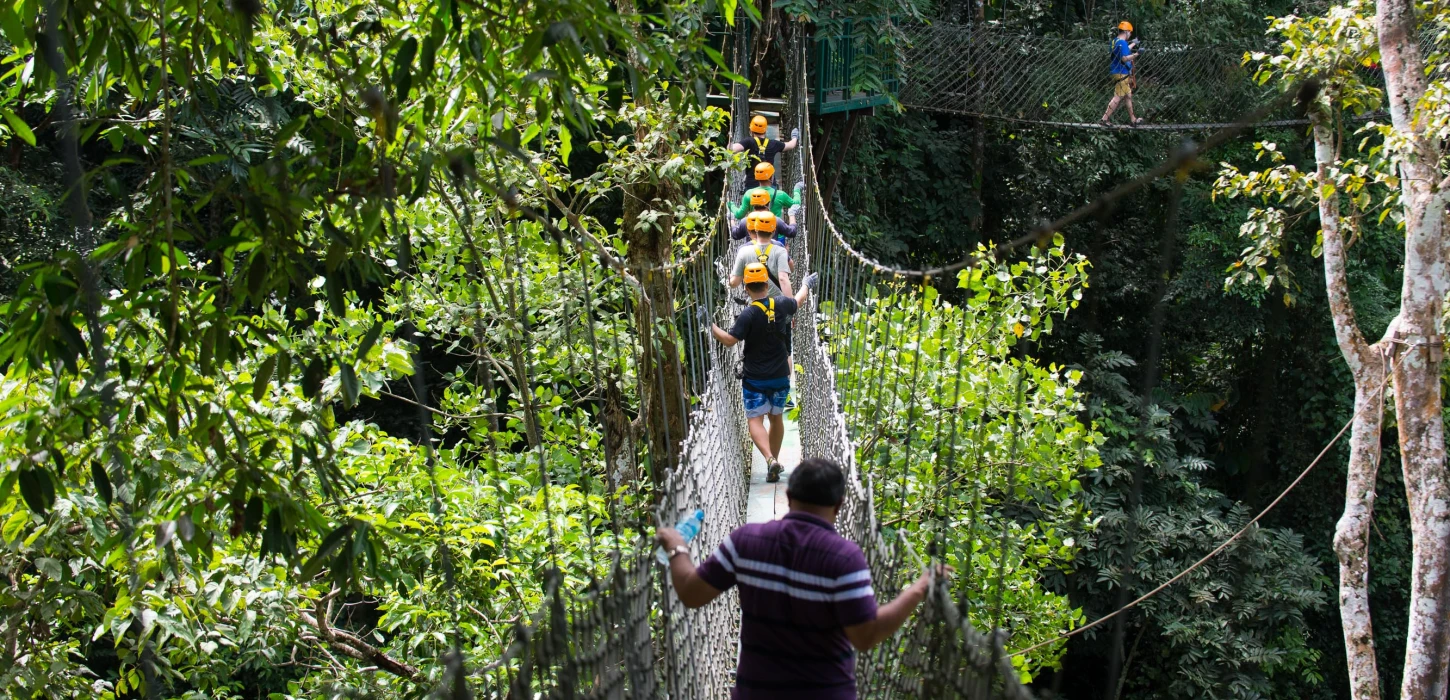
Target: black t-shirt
766,354
758,153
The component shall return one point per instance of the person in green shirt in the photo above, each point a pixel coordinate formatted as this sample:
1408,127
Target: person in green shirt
780,202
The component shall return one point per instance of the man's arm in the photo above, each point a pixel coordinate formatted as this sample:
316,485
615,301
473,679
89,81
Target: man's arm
725,338
744,207
795,140
736,281
889,617
737,147
692,590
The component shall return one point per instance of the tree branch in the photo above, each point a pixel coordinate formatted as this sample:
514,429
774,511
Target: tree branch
351,645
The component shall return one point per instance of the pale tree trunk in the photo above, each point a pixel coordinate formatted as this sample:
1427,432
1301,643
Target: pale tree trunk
1419,348
1367,366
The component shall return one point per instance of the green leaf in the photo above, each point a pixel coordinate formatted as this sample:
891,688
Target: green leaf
264,376
369,340
51,567
19,126
102,481
312,377
173,418
566,144
349,386
403,68
15,525
208,160
37,488
330,544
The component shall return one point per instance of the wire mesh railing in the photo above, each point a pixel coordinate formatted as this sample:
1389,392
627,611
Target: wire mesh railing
990,72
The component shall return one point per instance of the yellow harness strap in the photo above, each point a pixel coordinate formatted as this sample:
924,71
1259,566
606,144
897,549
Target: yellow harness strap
764,257
770,312
761,142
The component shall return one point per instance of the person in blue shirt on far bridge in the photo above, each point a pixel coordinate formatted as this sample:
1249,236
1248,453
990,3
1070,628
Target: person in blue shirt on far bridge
1121,70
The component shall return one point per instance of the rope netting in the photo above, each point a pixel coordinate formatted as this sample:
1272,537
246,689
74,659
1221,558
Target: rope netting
990,72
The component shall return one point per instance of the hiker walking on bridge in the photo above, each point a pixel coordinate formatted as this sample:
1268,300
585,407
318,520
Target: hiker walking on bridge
760,203
762,149
1121,69
765,372
763,249
805,593
780,202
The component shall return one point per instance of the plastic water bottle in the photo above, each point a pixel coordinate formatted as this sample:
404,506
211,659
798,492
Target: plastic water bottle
689,527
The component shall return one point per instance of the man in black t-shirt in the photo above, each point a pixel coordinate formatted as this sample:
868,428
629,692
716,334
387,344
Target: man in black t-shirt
762,149
765,376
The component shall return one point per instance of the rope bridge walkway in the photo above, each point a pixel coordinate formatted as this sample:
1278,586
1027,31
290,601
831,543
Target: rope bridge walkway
625,635
990,72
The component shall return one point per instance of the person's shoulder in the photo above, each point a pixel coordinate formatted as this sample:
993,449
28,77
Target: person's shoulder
847,553
751,536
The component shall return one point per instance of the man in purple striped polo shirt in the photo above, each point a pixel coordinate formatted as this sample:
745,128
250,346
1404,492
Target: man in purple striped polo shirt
805,594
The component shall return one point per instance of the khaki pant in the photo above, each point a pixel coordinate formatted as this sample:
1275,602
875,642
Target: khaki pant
1122,87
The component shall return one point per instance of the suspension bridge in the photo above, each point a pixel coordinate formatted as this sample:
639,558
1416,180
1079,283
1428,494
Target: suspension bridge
625,635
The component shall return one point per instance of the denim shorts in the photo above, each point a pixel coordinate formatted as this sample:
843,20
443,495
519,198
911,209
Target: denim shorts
759,403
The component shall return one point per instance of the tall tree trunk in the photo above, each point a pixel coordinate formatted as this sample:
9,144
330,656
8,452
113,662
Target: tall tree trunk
662,397
663,405
1367,366
1418,403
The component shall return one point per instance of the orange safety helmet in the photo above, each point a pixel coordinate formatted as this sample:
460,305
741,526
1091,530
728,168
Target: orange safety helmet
1125,26
757,124
759,198
755,272
764,171
764,221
